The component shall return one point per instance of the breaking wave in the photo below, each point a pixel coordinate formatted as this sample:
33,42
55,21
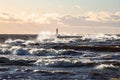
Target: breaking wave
62,62
85,57
103,66
47,44
100,37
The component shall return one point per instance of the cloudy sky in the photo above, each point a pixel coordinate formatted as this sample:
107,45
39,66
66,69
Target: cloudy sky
70,16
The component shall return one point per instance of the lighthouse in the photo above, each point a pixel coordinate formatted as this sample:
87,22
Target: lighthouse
56,31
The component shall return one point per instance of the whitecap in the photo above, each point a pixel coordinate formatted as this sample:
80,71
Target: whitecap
14,42
103,66
100,37
6,51
63,62
42,52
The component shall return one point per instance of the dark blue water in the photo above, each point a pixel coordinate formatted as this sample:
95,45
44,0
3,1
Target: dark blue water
90,57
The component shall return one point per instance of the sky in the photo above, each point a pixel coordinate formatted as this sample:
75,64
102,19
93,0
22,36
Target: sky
69,16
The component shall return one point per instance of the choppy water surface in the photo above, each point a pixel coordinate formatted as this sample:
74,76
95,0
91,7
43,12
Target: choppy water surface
90,57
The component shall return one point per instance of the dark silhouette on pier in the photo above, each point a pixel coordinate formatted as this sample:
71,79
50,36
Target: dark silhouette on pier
61,36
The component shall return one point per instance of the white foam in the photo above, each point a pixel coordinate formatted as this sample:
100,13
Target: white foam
14,42
46,36
61,62
42,52
51,37
102,66
100,37
53,62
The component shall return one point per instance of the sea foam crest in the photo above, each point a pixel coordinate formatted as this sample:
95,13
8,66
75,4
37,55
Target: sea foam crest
14,42
63,62
100,37
103,66
55,62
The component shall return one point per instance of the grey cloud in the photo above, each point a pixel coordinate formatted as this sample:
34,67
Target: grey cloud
8,18
114,20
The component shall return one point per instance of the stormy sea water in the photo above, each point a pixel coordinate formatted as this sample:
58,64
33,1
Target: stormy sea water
51,57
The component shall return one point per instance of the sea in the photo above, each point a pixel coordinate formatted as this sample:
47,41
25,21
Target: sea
50,56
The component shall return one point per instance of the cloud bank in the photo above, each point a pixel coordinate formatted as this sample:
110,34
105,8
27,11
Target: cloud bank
88,19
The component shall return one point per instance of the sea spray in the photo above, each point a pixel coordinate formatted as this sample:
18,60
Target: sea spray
46,36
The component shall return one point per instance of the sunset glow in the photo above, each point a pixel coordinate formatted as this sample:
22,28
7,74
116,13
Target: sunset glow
70,16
